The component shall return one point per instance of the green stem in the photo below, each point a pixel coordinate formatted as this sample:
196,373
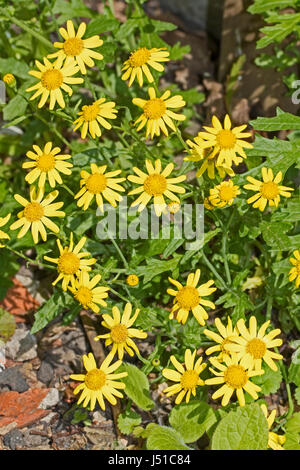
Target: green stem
179,135
120,252
213,270
29,30
288,388
119,295
29,260
269,308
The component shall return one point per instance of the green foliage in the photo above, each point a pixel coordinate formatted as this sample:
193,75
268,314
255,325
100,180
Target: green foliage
137,386
7,325
165,438
192,420
128,420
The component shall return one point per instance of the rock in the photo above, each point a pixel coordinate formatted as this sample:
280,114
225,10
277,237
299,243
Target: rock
22,346
45,372
50,400
13,379
13,439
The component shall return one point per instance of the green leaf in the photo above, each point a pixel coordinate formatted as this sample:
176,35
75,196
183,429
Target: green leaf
243,429
14,108
137,386
165,438
16,67
192,419
297,395
270,381
294,374
292,434
71,9
128,420
51,309
102,24
155,267
261,6
7,325
283,121
274,234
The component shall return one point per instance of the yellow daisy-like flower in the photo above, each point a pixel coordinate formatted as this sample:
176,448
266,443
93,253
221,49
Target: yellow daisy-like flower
275,441
207,204
156,113
132,280
47,163
3,235
223,194
86,292
187,377
234,375
75,48
70,262
121,333
268,190
99,383
294,273
9,79
94,114
223,338
227,142
36,214
139,62
254,346
155,184
53,77
100,185
190,298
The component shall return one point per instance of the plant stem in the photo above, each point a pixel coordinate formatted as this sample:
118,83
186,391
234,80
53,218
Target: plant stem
29,260
120,252
213,270
29,30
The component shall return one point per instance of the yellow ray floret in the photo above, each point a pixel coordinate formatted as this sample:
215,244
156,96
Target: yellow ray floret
189,298
156,185
186,376
88,293
222,338
223,194
76,49
47,164
3,235
121,331
99,383
275,441
156,112
139,62
37,213
294,273
94,114
70,262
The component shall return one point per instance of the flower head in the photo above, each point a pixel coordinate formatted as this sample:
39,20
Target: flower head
100,185
9,79
121,333
294,273
186,376
235,376
3,221
94,114
254,346
268,190
36,214
140,61
99,383
223,194
70,262
156,113
132,280
190,298
75,49
88,293
275,441
53,77
47,163
223,338
155,184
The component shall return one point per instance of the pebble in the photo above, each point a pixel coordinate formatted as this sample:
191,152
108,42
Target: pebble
13,379
13,439
22,346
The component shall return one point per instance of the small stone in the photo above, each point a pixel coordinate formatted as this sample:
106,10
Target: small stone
45,372
50,400
13,379
22,346
13,439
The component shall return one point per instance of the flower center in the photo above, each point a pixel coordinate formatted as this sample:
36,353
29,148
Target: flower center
226,139
73,46
96,183
132,280
155,108
119,333
33,211
95,379
52,79
188,297
90,112
269,190
46,162
235,376
84,296
139,57
226,193
256,347
189,379
68,263
155,184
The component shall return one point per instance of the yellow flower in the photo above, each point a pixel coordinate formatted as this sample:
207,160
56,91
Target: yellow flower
53,77
190,298
235,377
268,190
207,204
99,184
132,280
86,292
174,207
223,194
36,214
275,441
155,184
9,79
121,333
187,377
99,383
70,262
47,163
3,221
156,113
75,49
253,346
223,338
227,142
138,63
91,115
294,273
